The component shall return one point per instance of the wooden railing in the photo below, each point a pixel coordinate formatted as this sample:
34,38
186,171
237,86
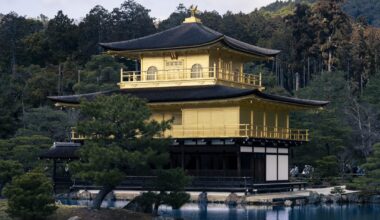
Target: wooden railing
228,131
242,130
187,74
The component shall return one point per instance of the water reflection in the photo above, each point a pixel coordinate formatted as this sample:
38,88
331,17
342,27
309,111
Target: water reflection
309,212
85,202
223,212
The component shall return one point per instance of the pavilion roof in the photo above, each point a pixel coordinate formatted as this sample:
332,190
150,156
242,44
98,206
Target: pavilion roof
184,36
61,150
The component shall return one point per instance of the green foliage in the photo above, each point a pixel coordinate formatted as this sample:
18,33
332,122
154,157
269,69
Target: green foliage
169,189
101,73
14,29
8,170
372,91
337,190
30,196
368,9
62,36
171,180
10,108
121,140
47,122
176,199
327,166
39,83
330,132
370,182
25,150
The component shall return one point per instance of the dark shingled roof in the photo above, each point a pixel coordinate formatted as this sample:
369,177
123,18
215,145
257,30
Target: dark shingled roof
187,35
62,150
183,94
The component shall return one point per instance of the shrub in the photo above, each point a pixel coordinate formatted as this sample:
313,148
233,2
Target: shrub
30,196
337,190
8,170
176,199
327,166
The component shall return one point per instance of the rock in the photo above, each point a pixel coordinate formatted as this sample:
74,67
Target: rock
232,199
353,198
314,198
242,200
202,198
344,199
326,199
140,204
74,218
288,203
85,195
375,199
300,202
110,196
335,198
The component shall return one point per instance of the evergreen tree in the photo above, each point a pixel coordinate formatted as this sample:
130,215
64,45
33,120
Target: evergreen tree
130,21
101,73
62,35
25,150
122,140
8,170
370,182
30,196
94,28
333,30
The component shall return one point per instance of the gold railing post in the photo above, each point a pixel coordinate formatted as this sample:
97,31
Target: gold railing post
214,71
260,79
121,75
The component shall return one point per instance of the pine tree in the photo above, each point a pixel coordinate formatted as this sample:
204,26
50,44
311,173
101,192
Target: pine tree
122,142
371,181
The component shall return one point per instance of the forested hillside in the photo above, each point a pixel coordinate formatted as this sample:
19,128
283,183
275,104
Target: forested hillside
326,55
367,10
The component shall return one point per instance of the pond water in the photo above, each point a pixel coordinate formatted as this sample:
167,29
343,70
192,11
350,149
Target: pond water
308,212
223,212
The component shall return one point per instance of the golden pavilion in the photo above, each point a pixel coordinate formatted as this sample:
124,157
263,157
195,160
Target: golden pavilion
225,125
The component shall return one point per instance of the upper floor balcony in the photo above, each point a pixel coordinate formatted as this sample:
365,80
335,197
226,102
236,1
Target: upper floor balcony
200,76
228,131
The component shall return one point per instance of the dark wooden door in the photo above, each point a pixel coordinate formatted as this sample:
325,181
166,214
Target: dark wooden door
259,168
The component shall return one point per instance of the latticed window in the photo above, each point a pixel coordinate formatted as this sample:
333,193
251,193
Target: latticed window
196,71
151,73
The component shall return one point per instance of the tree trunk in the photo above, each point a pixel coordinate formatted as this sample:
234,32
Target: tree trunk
155,209
100,196
330,57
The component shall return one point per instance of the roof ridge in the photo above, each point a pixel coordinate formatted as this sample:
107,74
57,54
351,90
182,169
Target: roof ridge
143,37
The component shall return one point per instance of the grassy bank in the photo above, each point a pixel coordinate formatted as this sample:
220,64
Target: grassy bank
65,212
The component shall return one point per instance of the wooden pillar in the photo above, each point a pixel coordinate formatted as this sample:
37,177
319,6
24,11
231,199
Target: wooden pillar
197,164
276,126
265,123
54,173
224,163
182,157
238,164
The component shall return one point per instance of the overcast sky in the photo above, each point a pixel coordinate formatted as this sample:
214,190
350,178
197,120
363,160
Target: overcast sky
160,9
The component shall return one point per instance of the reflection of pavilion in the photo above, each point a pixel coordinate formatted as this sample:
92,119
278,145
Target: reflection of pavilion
221,211
224,124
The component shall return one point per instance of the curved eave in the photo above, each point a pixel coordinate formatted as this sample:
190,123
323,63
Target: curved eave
270,54
168,96
303,103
